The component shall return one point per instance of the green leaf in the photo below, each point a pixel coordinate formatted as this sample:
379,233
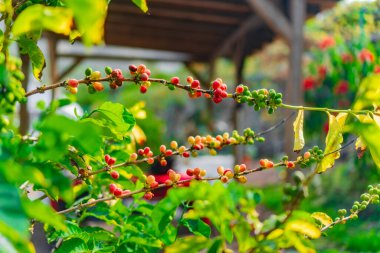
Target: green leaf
90,22
43,213
188,244
114,118
299,140
333,141
73,245
28,46
14,222
304,228
197,227
368,94
37,17
323,218
370,134
11,212
141,4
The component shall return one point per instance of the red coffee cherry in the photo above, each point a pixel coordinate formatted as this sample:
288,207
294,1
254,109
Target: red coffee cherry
107,158
111,161
112,188
114,174
239,89
117,192
190,172
143,89
132,68
144,77
174,80
148,195
73,83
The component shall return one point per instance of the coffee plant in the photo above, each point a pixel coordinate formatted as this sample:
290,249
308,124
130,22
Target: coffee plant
89,168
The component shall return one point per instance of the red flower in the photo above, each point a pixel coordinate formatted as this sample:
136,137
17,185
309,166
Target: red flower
347,57
366,56
308,83
377,69
322,71
342,87
326,43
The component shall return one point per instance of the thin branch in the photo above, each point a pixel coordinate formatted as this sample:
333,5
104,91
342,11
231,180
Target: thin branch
188,88
277,125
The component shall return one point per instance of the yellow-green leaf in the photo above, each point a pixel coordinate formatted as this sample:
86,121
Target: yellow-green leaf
333,140
322,217
299,243
141,4
37,17
299,140
139,135
368,94
275,234
303,227
370,135
90,22
28,46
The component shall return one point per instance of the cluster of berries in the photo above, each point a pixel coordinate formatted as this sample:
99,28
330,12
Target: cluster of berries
313,155
219,90
197,173
195,86
227,174
118,192
141,75
111,161
259,99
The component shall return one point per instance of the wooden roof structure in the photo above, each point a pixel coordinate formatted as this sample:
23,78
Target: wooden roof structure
203,29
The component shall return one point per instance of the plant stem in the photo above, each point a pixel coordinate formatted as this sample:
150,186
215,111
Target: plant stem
320,109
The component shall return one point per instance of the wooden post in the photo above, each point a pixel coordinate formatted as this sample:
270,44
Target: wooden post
293,93
239,58
24,113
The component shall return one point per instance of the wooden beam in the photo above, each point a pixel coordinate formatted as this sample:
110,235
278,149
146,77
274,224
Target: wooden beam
136,21
179,58
245,27
177,15
203,4
273,17
169,34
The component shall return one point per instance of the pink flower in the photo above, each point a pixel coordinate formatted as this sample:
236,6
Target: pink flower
366,56
308,83
342,87
347,57
322,71
326,43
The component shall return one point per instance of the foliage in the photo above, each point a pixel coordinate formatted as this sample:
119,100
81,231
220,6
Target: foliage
91,163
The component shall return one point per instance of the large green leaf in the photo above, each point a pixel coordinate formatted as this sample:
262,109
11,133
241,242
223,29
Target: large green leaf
28,46
368,94
74,245
333,141
14,222
91,21
58,132
37,17
115,119
197,227
370,135
43,213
